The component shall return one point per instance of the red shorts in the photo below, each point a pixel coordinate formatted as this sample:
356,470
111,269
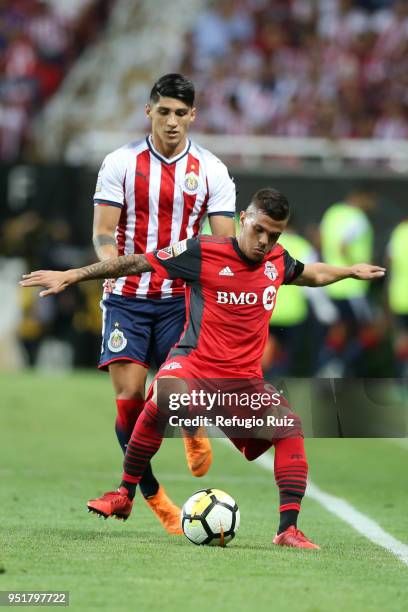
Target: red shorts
254,443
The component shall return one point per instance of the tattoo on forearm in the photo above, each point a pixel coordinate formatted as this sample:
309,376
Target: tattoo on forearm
115,267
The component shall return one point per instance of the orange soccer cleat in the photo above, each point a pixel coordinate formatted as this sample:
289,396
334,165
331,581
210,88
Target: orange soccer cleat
112,503
168,513
198,452
295,538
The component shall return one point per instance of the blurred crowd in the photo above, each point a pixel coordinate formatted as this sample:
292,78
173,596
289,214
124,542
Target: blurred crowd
323,68
39,41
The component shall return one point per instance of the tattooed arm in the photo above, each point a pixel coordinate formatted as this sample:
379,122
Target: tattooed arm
55,282
106,219
105,246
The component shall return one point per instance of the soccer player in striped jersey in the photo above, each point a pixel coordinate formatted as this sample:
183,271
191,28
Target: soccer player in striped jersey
232,287
149,194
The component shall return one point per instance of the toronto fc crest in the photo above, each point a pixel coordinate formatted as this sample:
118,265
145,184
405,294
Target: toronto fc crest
117,341
271,271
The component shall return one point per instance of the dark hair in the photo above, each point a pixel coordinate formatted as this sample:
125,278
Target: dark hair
272,203
173,86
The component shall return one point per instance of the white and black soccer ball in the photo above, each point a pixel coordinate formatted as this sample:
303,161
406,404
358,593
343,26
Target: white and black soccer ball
210,517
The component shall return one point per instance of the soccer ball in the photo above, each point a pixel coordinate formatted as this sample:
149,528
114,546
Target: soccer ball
211,517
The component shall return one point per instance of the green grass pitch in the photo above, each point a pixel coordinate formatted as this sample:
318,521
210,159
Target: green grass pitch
57,449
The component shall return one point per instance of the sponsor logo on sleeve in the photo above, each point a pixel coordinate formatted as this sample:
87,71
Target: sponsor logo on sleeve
99,179
165,253
180,247
172,251
98,184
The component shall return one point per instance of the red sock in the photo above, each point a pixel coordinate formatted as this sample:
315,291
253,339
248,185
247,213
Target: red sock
145,441
128,412
290,472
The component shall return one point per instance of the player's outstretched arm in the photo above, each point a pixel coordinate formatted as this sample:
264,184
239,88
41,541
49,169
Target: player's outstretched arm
55,282
320,274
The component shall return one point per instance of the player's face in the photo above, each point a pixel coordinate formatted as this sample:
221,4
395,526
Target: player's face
170,119
259,234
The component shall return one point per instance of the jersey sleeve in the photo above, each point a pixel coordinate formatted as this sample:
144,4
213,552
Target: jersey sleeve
293,268
221,190
179,260
109,185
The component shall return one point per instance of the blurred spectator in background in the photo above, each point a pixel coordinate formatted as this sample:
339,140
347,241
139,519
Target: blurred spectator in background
327,68
87,326
398,294
56,332
222,23
38,43
346,239
19,240
10,352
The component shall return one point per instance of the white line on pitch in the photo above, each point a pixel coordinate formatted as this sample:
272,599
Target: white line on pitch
347,513
401,442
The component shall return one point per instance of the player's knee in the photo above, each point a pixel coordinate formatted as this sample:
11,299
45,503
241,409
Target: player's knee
253,449
128,393
169,393
128,380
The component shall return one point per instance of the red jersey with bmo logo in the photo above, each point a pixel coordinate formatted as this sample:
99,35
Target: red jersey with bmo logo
162,201
230,300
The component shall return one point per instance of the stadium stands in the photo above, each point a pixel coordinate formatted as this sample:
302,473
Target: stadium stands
331,69
308,79
39,41
108,87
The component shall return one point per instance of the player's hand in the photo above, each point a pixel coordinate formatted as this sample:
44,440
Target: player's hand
54,282
109,285
367,271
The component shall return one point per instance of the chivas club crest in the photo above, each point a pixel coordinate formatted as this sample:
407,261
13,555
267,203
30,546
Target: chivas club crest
271,271
191,182
117,341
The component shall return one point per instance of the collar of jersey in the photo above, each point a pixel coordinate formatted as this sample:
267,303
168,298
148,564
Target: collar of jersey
163,159
242,255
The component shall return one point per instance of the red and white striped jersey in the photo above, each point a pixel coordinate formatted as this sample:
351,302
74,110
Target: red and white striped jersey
163,201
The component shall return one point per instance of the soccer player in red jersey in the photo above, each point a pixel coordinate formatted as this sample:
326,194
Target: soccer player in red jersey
149,194
231,291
